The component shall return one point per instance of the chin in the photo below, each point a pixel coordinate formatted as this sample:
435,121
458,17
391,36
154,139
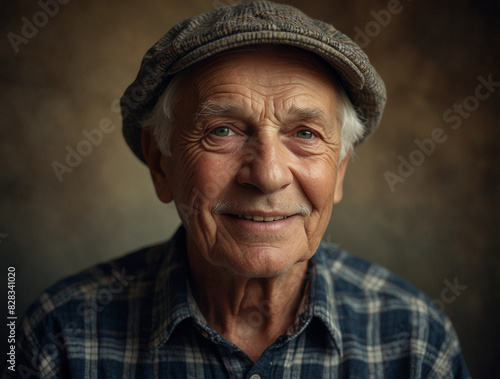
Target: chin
263,273
263,263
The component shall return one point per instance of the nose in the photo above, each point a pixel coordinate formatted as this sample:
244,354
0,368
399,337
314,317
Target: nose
266,164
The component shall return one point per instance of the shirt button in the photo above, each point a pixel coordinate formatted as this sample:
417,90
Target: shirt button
255,376
205,334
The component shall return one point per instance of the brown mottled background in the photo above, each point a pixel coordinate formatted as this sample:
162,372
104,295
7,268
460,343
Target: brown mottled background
441,223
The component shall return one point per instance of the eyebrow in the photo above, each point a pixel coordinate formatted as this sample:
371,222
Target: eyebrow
315,114
211,108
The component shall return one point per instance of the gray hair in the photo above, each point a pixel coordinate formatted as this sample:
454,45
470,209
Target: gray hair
160,120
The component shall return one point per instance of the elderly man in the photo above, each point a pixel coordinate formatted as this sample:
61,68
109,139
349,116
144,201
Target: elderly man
246,117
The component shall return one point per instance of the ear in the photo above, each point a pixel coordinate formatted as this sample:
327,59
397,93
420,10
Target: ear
157,166
339,184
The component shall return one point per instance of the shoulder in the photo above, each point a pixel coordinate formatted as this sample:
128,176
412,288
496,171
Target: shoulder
356,276
115,278
407,321
58,328
359,282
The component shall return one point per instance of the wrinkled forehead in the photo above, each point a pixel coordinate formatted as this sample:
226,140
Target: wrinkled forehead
288,58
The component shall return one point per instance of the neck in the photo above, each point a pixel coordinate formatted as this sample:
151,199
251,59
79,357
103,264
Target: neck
249,312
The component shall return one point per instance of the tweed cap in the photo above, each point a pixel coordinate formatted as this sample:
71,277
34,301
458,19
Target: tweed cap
260,22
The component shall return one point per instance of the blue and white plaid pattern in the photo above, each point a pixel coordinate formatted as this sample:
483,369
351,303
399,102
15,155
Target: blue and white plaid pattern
135,317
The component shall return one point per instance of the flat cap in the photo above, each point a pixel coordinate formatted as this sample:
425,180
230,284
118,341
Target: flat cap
260,22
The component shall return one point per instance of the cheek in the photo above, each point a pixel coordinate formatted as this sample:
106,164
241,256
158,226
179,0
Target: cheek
205,178
318,182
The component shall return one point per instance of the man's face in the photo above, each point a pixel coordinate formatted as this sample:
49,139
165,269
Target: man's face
254,169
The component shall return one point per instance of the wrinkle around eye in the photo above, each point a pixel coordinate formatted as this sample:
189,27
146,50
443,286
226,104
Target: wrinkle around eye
228,144
306,147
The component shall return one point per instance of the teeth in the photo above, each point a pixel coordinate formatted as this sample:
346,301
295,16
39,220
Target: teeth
261,218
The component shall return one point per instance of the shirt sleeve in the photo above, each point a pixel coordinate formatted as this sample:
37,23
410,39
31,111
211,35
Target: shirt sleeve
444,354
41,347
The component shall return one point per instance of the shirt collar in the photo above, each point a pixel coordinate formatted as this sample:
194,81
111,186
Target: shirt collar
173,301
322,303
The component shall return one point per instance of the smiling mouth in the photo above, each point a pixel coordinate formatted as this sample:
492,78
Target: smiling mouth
261,218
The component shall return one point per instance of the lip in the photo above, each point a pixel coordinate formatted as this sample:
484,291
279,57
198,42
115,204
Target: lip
281,222
260,217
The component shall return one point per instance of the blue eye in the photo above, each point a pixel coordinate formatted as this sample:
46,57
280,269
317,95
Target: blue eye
222,131
305,134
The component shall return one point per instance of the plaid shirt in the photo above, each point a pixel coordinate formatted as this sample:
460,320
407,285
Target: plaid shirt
135,317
